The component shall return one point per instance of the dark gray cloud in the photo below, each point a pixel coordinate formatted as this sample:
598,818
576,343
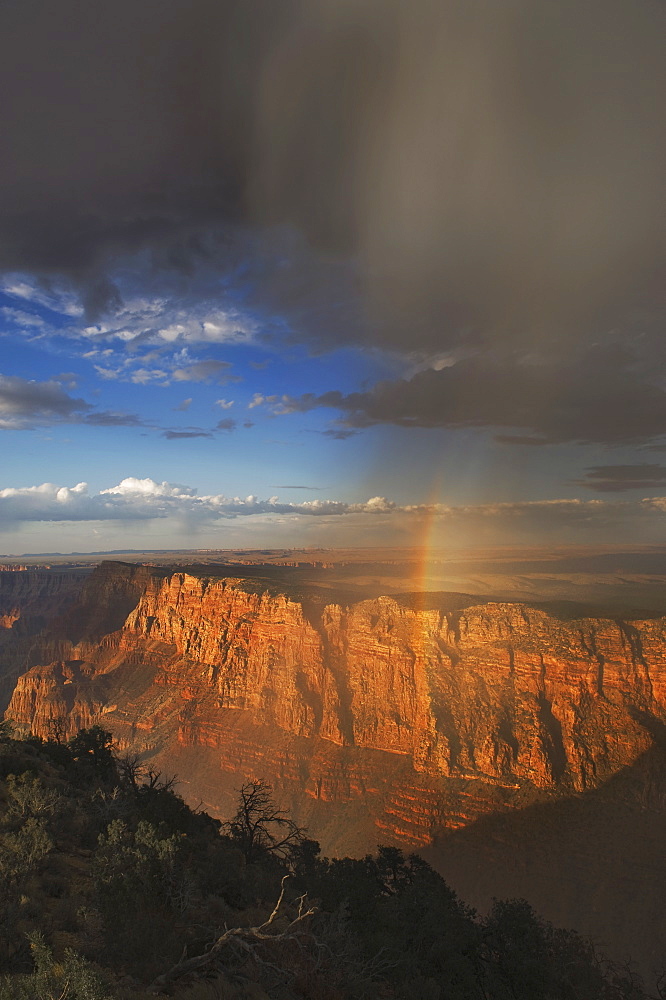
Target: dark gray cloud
621,478
184,434
227,424
495,171
475,187
592,398
491,164
25,404
110,418
338,433
202,371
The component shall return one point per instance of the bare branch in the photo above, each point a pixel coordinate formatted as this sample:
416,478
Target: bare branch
259,828
155,780
131,769
246,938
276,908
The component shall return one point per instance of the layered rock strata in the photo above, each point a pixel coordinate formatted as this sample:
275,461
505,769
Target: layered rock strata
415,716
29,598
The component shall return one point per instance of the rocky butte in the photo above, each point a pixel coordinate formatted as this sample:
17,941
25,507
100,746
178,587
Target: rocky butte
399,720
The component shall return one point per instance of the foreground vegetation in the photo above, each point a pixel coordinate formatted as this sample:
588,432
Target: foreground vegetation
111,888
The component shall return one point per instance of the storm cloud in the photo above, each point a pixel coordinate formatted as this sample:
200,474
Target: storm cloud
595,398
496,170
468,194
621,478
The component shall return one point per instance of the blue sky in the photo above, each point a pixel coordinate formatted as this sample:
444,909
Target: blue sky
201,408
192,401
383,290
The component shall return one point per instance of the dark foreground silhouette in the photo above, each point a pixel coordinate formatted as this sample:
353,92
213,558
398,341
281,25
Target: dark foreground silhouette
112,887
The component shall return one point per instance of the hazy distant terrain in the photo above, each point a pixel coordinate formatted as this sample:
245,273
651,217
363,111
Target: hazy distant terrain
626,581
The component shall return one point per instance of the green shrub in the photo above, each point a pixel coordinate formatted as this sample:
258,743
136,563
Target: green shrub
72,979
22,851
29,796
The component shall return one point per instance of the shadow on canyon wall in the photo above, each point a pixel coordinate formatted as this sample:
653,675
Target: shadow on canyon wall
594,861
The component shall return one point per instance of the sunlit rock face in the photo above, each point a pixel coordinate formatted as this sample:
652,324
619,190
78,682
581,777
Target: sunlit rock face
379,720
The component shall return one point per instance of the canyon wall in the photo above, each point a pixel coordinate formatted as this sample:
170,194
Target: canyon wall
29,600
524,751
414,716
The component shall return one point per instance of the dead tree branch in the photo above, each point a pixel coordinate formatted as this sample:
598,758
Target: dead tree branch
259,828
245,938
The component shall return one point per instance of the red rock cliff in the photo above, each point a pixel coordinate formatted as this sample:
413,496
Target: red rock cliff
429,717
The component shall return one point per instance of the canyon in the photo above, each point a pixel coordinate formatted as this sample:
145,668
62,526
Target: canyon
519,746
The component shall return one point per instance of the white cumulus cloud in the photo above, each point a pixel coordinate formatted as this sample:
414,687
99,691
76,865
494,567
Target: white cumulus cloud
147,488
144,500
